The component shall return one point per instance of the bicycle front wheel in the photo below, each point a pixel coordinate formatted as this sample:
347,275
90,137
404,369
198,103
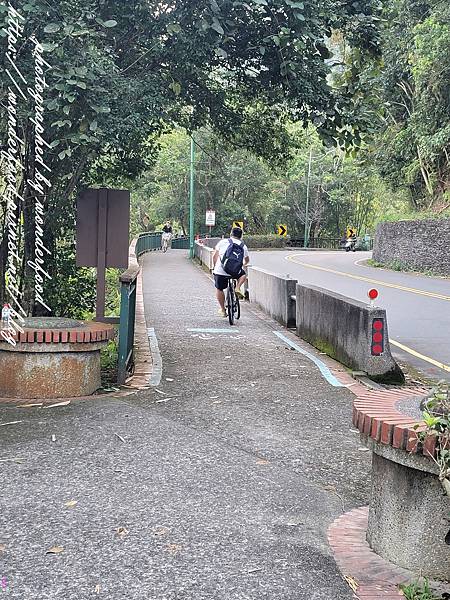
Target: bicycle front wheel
237,308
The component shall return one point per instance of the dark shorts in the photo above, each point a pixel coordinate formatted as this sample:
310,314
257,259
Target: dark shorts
221,281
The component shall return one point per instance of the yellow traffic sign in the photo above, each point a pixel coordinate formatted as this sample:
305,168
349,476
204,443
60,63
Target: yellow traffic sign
282,230
351,231
239,224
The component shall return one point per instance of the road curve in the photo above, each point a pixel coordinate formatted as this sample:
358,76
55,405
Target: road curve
418,307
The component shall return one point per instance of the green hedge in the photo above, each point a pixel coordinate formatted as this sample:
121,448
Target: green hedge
265,241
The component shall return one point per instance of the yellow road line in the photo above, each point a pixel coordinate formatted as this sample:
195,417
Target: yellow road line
403,288
436,363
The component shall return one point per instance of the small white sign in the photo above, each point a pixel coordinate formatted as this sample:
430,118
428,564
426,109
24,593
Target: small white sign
210,218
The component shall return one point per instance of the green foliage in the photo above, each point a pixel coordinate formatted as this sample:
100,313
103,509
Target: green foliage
124,72
418,591
109,360
265,241
407,92
240,186
436,417
72,291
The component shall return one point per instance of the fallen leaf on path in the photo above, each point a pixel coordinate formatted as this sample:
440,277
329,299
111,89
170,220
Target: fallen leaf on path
65,403
351,582
168,379
364,449
71,503
53,437
97,589
262,461
122,531
160,531
120,437
17,460
2,547
160,392
10,423
55,550
163,400
29,405
255,570
174,548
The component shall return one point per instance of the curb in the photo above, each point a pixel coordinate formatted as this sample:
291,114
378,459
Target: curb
370,576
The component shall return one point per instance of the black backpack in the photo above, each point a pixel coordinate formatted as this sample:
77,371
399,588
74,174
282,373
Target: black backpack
233,259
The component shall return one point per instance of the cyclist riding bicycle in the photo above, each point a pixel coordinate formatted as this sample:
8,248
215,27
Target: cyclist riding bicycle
230,257
167,235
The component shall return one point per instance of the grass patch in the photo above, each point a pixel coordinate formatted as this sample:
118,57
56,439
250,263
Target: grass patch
109,360
400,267
419,591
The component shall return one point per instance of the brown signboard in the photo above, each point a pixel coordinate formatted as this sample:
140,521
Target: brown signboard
103,225
103,231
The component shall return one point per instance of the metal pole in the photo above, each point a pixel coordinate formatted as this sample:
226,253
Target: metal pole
191,200
306,240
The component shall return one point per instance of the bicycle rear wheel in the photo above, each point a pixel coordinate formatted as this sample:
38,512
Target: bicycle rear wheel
230,303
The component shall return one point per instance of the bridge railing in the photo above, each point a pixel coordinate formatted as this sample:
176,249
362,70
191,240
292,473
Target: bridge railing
128,293
145,242
149,241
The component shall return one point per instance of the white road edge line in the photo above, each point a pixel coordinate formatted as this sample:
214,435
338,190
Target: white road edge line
155,379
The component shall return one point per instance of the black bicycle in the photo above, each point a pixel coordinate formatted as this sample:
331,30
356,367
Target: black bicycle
233,306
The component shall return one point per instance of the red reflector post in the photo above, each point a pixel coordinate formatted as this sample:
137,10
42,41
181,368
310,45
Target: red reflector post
377,342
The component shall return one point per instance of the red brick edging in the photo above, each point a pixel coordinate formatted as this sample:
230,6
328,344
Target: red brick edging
375,414
87,333
373,577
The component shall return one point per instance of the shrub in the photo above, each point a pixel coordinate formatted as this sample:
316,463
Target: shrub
265,241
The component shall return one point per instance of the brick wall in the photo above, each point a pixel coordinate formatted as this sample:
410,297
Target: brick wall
420,245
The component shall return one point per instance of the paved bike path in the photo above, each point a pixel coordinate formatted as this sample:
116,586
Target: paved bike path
218,484
280,461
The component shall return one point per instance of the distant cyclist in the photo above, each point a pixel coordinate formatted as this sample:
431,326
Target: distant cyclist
167,235
230,257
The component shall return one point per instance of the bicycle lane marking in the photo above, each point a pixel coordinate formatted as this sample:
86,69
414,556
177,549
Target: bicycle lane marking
325,371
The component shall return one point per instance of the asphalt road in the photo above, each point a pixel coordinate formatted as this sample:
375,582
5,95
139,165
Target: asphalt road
418,307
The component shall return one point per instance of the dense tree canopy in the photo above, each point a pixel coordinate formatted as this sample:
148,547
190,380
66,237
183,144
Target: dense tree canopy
123,72
408,95
238,185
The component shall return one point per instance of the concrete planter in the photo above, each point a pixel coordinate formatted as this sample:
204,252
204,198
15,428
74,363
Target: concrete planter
409,516
53,363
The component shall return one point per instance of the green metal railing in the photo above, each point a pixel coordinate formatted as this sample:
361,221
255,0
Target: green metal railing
128,282
152,241
181,243
146,242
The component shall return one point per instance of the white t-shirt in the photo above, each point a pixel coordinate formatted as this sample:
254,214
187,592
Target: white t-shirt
222,248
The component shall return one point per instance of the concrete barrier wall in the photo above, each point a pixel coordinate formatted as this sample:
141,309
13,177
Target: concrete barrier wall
343,329
420,245
273,293
204,255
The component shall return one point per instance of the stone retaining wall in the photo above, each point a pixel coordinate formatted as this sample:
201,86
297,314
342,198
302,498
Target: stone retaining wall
419,245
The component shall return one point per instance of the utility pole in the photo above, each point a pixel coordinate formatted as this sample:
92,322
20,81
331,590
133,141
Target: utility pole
306,236
191,200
